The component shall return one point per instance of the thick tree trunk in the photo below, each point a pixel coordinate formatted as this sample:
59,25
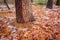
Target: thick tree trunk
58,2
23,11
49,4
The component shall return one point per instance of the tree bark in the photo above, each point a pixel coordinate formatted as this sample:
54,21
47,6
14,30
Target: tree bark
23,11
49,4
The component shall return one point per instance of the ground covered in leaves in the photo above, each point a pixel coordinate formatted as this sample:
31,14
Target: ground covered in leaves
46,26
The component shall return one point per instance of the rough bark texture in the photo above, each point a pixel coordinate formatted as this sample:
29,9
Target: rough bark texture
23,11
49,4
58,2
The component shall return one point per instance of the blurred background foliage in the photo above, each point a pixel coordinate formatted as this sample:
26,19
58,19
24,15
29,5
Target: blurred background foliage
36,2
41,2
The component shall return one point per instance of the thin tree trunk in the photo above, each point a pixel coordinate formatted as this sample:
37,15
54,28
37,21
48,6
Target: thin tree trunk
49,4
23,11
5,1
58,2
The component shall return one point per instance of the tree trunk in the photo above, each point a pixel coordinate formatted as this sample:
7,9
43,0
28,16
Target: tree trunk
58,2
49,4
23,11
5,1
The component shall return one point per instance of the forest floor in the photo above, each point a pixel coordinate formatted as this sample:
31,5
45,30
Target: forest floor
46,26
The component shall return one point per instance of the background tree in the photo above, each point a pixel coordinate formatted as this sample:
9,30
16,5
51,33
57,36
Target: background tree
49,4
58,2
23,11
5,1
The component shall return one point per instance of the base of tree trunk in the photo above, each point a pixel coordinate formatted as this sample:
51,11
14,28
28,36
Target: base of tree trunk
23,25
